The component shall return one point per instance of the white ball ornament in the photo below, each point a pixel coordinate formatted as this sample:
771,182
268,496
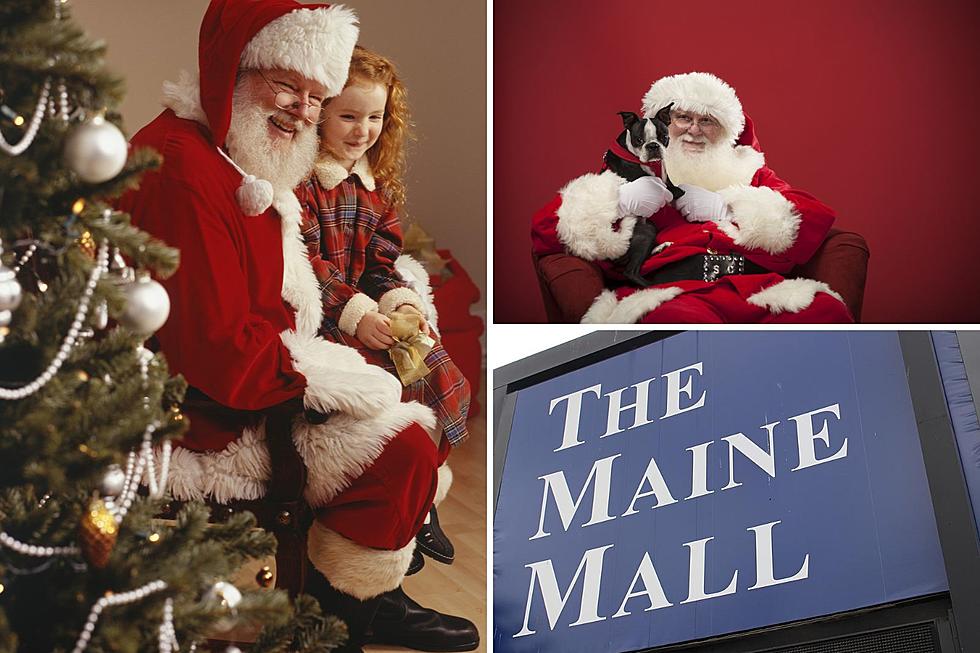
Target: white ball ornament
96,150
147,305
228,597
113,482
10,294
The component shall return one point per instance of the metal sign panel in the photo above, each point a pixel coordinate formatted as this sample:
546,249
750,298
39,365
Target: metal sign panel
711,483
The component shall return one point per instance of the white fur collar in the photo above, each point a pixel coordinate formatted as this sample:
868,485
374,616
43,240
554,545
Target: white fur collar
330,173
184,97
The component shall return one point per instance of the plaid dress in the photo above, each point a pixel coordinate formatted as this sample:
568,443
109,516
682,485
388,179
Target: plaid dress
353,238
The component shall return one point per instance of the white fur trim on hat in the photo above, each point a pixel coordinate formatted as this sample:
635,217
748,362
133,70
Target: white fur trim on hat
606,309
397,297
790,295
338,378
761,218
412,273
356,307
360,571
701,93
339,450
316,43
184,97
444,483
589,209
330,173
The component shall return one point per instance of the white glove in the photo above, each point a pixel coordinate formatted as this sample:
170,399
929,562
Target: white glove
643,197
701,205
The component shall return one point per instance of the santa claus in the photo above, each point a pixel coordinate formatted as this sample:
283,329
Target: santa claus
722,247
236,139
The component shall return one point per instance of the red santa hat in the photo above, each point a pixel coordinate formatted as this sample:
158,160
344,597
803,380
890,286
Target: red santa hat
701,93
314,40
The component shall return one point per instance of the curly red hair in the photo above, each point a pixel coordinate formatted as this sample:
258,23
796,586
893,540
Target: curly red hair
387,155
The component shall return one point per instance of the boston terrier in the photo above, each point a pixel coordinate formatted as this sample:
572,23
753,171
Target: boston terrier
642,141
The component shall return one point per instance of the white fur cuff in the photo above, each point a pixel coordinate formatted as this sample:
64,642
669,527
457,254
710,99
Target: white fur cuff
606,309
791,295
359,571
589,209
761,218
338,378
339,450
445,482
397,297
356,308
317,43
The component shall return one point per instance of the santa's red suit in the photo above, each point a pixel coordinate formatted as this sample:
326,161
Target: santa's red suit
771,224
246,309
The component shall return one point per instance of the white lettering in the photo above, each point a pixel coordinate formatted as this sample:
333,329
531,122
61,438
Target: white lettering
573,412
675,389
652,588
554,599
699,470
764,574
696,590
761,458
658,488
640,407
805,438
602,473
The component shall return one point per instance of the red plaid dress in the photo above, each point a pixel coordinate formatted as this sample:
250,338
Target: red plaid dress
353,238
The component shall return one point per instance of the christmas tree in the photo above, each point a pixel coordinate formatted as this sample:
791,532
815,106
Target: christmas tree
87,411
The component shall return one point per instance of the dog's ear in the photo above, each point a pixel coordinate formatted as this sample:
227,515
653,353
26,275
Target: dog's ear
628,118
664,114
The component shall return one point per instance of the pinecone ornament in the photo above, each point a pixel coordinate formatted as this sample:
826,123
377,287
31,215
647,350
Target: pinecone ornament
97,534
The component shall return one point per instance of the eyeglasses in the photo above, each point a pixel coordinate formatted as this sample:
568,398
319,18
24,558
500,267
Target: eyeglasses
685,121
287,99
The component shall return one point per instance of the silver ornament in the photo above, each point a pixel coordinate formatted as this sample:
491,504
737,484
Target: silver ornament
147,305
10,295
100,318
113,482
96,150
228,597
233,649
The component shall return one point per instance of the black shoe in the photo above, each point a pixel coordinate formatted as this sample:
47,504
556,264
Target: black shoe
352,611
400,621
433,542
415,566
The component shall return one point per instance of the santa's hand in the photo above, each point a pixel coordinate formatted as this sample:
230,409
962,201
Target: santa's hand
374,330
701,205
643,197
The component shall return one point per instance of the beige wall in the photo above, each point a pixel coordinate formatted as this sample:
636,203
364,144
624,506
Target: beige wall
440,48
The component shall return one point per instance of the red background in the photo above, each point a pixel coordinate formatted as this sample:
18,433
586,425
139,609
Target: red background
872,106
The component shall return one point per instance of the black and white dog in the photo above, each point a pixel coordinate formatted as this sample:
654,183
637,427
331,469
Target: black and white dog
642,141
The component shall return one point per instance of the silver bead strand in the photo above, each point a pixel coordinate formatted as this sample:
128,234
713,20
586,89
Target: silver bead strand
36,119
35,550
70,339
25,258
123,598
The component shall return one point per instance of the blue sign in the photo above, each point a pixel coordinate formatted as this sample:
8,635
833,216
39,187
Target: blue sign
711,483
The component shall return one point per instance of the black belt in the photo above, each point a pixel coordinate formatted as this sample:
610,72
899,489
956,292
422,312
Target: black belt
705,267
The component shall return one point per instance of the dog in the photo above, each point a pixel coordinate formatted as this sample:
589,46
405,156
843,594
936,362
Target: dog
642,141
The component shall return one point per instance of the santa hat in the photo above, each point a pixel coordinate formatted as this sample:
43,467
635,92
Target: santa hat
700,93
314,40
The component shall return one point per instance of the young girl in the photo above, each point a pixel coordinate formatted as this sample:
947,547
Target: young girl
355,193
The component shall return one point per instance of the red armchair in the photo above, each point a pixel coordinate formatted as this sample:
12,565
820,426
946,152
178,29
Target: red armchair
569,284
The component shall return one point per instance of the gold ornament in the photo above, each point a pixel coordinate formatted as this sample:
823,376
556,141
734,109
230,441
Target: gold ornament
97,534
86,242
265,577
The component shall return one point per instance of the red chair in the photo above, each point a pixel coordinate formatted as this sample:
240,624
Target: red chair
570,284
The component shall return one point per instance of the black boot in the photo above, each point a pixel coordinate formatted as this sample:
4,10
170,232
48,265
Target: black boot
400,621
352,611
433,542
415,566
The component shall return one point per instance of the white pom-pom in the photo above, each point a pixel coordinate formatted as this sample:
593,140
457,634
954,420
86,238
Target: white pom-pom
254,195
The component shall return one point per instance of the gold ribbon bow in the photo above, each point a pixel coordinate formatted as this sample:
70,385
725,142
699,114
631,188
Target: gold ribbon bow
410,348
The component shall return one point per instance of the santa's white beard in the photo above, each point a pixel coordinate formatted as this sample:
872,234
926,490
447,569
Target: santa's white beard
284,163
714,168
